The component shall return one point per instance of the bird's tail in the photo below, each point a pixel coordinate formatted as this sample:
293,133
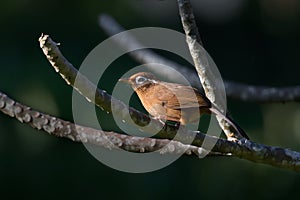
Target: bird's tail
230,121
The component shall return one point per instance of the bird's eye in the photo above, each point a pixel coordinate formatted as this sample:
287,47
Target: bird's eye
140,80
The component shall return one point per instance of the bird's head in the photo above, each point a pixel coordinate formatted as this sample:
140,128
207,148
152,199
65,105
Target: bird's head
140,79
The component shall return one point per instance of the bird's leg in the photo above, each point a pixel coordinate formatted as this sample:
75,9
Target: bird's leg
173,123
160,118
177,124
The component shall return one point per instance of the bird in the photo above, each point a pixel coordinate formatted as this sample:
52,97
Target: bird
175,102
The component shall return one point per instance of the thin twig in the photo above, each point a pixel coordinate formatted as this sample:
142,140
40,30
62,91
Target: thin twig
236,90
276,156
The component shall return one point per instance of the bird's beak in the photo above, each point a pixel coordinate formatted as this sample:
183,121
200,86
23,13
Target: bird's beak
124,80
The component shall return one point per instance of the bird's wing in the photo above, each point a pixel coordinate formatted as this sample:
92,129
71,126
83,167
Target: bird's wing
177,96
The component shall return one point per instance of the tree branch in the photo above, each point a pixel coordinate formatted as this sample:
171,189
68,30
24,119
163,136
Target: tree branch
102,99
236,90
209,78
263,94
275,156
110,140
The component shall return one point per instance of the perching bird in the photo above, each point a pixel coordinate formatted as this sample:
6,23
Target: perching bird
174,102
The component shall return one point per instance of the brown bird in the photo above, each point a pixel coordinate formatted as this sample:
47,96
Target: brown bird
174,102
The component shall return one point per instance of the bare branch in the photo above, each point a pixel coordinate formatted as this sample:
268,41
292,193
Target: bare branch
103,100
245,149
275,156
86,88
240,91
263,94
109,140
209,78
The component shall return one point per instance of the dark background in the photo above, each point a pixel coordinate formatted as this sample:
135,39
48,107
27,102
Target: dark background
251,41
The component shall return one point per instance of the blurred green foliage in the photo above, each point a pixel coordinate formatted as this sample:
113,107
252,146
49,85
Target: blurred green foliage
255,42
